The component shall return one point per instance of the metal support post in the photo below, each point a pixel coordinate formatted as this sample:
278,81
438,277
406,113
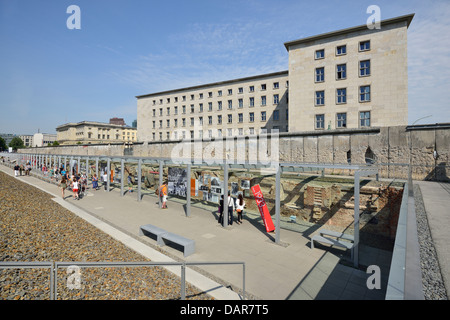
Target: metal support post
225,194
108,174
139,173
160,181
277,203
356,222
188,191
122,172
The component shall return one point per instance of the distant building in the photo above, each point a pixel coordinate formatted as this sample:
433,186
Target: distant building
134,124
7,137
118,121
43,139
90,132
27,139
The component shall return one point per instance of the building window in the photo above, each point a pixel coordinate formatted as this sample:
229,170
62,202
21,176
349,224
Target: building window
240,90
276,115
200,119
184,134
160,124
210,134
240,117
184,98
341,50
175,123
219,119
200,96
276,99
154,136
219,105
241,103
252,102
168,111
219,132
320,54
230,118
252,116
209,119
341,95
192,122
167,135
364,119
251,130
192,97
252,89
320,121
364,45
168,123
154,112
154,125
276,85
210,106
364,68
263,87
263,116
184,109
160,111
184,122
175,110
219,93
341,120
341,71
263,100
230,92
230,104
210,94
201,107
230,132
320,98
364,93
241,131
192,108
320,74
192,134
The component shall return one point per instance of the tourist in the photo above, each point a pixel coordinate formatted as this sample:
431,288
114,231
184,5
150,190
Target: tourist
75,185
163,195
16,170
63,185
130,182
240,208
230,208
105,180
221,209
95,182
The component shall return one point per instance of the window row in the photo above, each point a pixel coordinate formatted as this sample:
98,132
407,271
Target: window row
220,93
230,106
341,71
220,119
342,50
341,120
176,135
341,96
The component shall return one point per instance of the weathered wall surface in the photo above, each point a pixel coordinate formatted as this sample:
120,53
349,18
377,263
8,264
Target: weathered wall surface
391,147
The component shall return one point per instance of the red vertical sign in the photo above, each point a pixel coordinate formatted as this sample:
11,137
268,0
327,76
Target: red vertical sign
263,210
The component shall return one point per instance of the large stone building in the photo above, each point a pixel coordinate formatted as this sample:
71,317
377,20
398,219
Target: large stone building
346,79
90,132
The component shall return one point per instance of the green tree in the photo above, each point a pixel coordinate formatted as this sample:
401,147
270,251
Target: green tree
55,143
3,146
16,143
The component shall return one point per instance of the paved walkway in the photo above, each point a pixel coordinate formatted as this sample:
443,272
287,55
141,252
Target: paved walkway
290,270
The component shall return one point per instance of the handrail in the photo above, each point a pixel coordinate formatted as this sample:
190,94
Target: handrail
53,266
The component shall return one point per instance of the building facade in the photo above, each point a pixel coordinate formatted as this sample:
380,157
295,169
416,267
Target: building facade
345,79
90,132
237,107
43,139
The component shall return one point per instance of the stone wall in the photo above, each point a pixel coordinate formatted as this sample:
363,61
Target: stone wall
392,148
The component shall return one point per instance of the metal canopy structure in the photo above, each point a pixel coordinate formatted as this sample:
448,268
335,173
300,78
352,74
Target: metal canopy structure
270,169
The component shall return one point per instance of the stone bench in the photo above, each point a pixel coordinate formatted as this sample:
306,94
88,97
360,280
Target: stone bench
338,239
162,237
187,244
153,230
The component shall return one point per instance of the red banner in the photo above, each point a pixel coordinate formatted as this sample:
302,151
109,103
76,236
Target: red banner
263,210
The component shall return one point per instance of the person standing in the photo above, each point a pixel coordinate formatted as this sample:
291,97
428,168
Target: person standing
130,182
75,185
105,180
240,208
16,170
95,182
220,220
230,208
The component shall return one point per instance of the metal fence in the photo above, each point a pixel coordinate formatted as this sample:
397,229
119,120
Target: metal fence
54,266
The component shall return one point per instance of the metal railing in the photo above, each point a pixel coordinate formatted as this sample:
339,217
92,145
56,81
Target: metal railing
54,266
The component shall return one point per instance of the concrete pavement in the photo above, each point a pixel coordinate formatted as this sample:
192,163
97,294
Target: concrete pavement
290,270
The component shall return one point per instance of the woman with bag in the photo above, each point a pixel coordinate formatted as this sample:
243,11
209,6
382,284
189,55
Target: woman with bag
240,208
63,185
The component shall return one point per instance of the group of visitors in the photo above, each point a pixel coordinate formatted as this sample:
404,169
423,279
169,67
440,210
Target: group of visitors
233,205
19,169
78,184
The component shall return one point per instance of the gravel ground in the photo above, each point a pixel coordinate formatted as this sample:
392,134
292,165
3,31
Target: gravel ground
35,228
433,284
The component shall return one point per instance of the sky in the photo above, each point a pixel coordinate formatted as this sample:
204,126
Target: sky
51,75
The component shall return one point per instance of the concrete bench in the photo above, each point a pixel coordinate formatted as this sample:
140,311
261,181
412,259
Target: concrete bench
187,244
153,230
334,238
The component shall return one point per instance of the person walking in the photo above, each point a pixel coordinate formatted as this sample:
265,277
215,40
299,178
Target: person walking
230,208
105,180
16,170
240,208
163,195
75,186
63,185
130,182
